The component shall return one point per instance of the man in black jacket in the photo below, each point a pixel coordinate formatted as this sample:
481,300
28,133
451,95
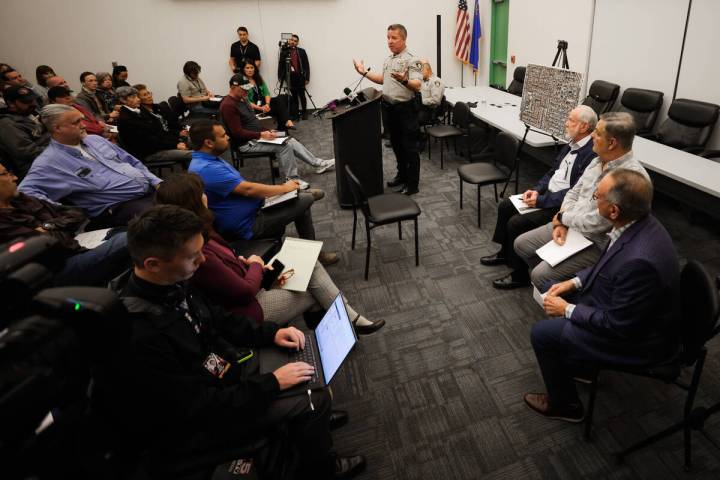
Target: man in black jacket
201,394
145,134
299,75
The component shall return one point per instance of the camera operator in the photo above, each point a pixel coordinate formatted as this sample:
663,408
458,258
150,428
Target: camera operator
299,74
243,51
23,216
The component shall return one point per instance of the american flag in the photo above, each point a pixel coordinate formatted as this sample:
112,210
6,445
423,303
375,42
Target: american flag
462,32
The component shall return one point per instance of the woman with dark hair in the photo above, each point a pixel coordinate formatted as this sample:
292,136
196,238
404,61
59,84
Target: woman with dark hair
42,73
106,92
193,91
119,76
234,282
260,101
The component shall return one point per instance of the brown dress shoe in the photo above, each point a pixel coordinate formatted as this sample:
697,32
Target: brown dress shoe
539,402
316,193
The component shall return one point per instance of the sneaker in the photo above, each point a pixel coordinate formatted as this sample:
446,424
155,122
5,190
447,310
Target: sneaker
328,258
316,193
325,165
303,184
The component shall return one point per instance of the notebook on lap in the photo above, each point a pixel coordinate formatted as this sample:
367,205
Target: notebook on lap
326,348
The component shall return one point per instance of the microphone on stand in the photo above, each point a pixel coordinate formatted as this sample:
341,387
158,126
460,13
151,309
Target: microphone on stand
349,96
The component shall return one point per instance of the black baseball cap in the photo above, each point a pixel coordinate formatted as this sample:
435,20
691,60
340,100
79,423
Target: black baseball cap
21,93
238,80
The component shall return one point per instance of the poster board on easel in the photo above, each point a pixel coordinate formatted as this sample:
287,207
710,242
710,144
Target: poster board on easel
549,94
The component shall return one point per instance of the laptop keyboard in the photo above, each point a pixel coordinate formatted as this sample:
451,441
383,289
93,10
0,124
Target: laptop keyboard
306,355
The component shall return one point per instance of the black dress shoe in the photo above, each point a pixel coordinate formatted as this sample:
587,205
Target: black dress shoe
338,418
493,260
409,191
348,467
367,329
397,181
507,283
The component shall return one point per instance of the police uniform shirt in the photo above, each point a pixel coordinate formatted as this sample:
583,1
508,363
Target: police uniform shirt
432,91
394,91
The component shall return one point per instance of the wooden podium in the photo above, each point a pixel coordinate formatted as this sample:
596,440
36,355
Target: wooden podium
357,142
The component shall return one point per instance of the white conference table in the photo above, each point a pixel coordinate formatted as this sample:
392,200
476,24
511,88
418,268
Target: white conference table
692,170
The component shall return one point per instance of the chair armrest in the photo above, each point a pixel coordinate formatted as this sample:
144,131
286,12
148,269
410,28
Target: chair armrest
710,154
649,136
695,150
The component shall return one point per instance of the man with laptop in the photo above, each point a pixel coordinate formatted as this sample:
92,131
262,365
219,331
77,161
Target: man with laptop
199,391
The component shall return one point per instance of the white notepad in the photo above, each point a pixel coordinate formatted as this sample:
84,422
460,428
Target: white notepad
278,199
274,141
539,297
520,205
553,253
92,239
300,255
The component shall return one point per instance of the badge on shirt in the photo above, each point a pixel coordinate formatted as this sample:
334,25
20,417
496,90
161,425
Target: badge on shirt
216,365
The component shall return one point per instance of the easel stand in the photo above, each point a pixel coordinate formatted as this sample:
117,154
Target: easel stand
516,167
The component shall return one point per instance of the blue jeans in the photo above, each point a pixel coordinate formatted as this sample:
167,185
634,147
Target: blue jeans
98,266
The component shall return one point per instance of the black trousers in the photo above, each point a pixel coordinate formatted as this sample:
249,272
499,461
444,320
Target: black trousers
297,90
120,214
271,223
402,121
510,225
279,109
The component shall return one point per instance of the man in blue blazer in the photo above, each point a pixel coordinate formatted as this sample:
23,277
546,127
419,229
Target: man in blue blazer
620,311
547,195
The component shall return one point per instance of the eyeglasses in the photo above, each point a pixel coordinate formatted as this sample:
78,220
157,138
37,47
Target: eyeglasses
287,274
595,195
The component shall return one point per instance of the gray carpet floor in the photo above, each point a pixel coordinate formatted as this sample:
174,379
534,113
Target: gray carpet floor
438,392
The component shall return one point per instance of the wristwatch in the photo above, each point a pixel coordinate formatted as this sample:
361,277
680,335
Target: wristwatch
48,226
559,218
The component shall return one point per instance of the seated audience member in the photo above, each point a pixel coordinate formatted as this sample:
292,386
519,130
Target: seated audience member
195,401
148,103
13,78
236,202
63,96
234,282
106,92
144,134
259,98
547,195
88,172
22,138
57,81
193,91
42,73
119,76
245,130
88,98
620,311
432,90
612,141
23,216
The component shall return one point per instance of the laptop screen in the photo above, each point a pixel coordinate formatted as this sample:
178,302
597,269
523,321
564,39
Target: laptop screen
335,338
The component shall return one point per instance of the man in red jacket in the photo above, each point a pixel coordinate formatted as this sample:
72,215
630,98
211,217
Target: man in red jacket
93,126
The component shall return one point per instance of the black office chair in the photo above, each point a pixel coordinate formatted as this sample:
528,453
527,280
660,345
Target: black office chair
700,312
156,166
518,82
643,105
601,96
238,159
379,210
461,118
689,125
177,106
504,163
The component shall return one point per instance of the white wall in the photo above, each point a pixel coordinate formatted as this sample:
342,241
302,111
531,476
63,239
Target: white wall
635,53
700,69
536,26
153,38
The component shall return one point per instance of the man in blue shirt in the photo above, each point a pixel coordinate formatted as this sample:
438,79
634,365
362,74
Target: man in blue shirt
236,202
88,172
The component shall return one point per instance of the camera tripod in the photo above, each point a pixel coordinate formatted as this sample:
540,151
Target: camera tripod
561,58
285,83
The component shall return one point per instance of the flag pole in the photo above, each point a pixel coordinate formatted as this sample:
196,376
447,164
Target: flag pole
462,69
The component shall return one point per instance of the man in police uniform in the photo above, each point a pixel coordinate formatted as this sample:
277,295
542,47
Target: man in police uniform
401,79
432,91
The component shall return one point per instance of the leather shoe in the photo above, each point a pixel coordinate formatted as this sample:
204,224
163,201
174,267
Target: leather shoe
366,327
540,403
493,260
395,182
348,467
338,418
507,283
328,258
409,191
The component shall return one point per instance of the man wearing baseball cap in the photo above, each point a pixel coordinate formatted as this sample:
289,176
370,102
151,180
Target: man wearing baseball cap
22,138
245,131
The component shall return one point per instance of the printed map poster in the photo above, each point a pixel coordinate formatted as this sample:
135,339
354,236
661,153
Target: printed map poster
549,93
